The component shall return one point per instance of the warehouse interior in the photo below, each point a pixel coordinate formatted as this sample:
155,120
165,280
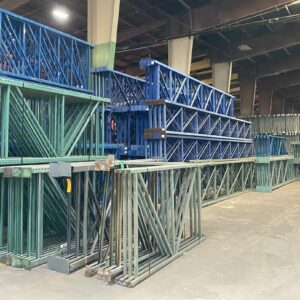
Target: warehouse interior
149,149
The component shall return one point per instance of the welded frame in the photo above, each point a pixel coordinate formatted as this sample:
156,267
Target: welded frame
269,145
35,52
178,132
160,211
176,147
273,172
34,210
126,117
124,90
164,82
90,200
38,121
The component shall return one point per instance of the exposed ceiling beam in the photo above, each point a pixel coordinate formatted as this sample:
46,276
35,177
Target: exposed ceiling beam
138,30
205,17
290,92
283,80
12,4
286,37
293,100
276,66
226,11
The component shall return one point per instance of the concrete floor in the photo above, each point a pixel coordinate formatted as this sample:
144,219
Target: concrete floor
252,251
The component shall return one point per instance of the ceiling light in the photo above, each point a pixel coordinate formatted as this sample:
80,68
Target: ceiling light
244,47
294,3
60,14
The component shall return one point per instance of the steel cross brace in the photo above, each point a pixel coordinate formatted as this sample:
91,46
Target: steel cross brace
163,82
34,52
42,122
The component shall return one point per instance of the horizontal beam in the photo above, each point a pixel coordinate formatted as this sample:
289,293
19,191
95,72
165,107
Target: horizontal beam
290,92
207,16
282,80
225,11
138,30
277,66
289,36
221,12
12,4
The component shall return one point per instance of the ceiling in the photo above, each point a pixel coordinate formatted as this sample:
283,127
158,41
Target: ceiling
271,36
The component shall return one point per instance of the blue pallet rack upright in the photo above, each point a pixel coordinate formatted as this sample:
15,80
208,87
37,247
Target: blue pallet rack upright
32,51
127,115
189,120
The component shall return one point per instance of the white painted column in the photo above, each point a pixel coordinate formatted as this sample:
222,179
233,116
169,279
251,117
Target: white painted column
221,73
180,54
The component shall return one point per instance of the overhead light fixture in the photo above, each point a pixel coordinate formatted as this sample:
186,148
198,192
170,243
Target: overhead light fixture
60,14
295,3
244,47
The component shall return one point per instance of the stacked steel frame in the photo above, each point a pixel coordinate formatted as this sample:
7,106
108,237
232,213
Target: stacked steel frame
51,117
126,117
156,212
274,138
285,125
296,153
125,219
189,120
41,124
269,145
274,167
31,51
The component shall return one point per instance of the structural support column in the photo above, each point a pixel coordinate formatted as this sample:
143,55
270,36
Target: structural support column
265,100
248,91
221,73
277,105
103,19
180,54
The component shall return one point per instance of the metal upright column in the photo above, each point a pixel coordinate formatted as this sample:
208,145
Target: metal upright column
2,212
39,227
85,211
5,91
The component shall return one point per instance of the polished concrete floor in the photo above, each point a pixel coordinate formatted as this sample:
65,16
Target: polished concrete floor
252,251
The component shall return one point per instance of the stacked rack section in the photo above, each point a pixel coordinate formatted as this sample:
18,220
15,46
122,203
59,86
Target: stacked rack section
33,215
189,120
127,115
286,126
32,51
270,145
47,115
274,167
41,124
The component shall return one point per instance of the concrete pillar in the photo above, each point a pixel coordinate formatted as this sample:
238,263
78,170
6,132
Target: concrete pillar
277,105
221,73
103,19
180,54
265,95
248,90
